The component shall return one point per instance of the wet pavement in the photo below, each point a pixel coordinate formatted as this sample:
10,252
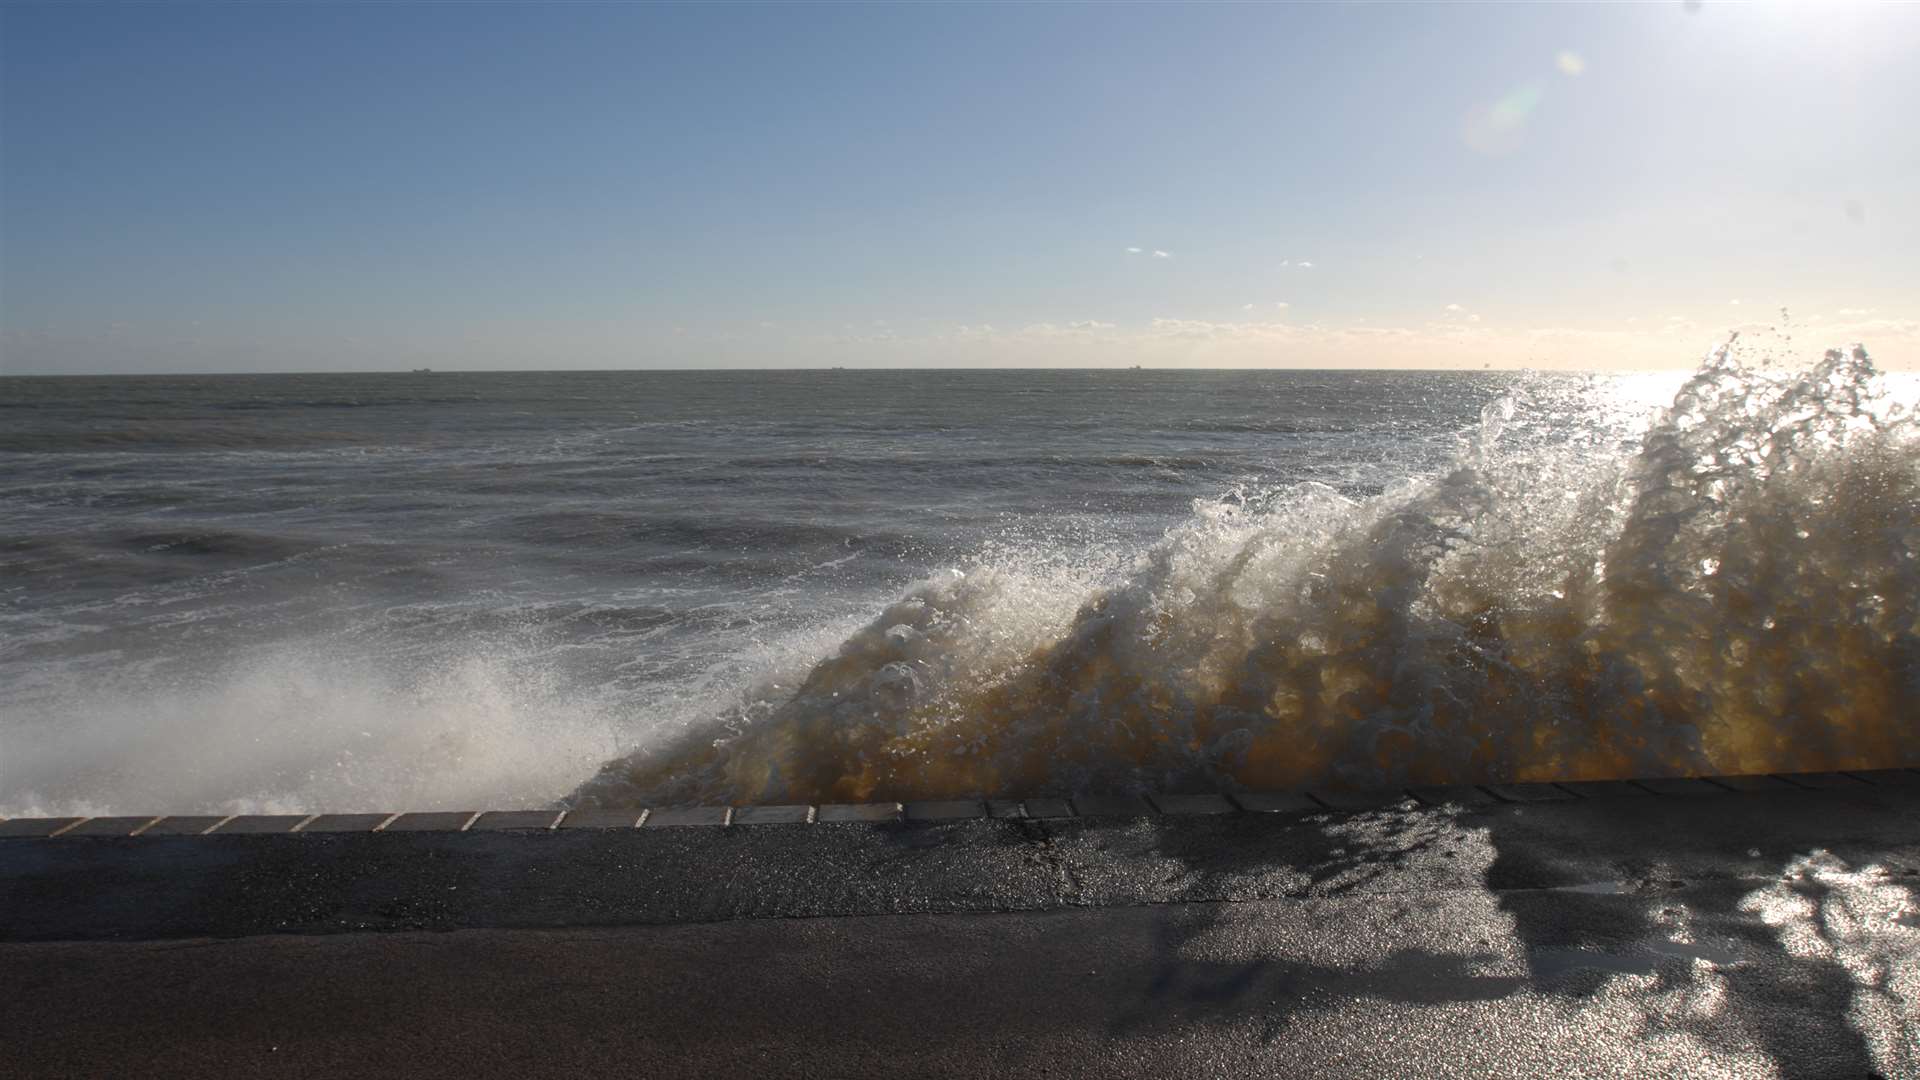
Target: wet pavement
1765,934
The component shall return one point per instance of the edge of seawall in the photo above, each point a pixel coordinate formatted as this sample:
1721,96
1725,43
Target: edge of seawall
1040,809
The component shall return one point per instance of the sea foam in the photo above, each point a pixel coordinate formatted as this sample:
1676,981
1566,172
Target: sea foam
1732,589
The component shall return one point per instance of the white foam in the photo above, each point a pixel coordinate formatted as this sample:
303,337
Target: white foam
1727,585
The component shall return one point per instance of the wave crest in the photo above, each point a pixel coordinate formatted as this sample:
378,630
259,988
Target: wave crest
1735,590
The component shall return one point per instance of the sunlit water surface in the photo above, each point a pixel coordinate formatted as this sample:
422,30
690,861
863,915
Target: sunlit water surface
463,590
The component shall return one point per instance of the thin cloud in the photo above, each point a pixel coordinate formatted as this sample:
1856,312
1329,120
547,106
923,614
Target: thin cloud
1133,251
1158,254
1453,307
1082,332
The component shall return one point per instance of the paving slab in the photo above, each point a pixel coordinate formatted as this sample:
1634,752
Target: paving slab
513,820
679,816
849,812
946,810
345,823
35,827
1529,793
1193,804
184,825
1371,799
1275,802
1823,781
1046,808
109,826
773,815
1681,786
1453,795
260,824
1110,806
1006,808
620,818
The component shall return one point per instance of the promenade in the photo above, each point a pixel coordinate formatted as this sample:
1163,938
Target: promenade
1746,927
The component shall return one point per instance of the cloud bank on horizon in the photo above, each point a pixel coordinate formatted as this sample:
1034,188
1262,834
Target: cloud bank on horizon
234,188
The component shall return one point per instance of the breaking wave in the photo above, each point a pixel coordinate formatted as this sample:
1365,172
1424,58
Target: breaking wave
1733,589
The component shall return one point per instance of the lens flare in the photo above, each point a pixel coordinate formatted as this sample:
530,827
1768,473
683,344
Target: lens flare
1498,128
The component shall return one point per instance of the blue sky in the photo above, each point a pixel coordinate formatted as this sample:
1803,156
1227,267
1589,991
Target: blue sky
365,186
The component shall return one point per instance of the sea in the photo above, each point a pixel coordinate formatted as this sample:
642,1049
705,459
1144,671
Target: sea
466,590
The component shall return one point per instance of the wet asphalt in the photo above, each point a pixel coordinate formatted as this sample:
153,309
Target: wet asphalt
1766,934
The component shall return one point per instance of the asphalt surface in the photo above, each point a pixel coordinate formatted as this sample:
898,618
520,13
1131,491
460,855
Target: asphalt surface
1773,934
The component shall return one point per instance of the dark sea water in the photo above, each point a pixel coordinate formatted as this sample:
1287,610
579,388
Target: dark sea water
422,590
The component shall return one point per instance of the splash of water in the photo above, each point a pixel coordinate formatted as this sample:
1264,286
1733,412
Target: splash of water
300,728
1734,591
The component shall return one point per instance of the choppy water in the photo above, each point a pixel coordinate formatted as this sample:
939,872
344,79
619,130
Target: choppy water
463,590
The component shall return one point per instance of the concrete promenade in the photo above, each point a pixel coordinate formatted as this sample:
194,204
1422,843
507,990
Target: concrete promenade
1746,927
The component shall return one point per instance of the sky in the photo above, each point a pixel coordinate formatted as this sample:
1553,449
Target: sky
370,186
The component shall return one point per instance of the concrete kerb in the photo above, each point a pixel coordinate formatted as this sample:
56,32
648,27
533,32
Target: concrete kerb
602,819
1686,788
1887,777
261,825
1751,783
515,820
1041,809
799,814
1604,789
1192,804
1111,806
37,828
947,810
451,821
1275,802
185,825
1375,799
1824,781
109,826
847,813
1035,809
1528,793
338,823
1453,795
681,816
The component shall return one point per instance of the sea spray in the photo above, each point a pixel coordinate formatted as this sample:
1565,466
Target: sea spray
1733,591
